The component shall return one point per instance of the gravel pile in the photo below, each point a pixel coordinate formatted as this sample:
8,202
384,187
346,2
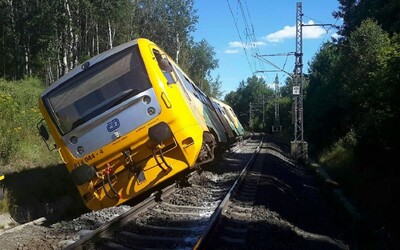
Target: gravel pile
39,235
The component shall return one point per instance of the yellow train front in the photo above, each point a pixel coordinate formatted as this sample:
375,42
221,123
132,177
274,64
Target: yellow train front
122,123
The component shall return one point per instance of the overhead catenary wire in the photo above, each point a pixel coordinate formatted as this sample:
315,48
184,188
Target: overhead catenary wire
323,25
249,40
240,36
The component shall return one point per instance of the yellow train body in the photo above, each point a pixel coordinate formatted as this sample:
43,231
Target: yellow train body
230,116
118,152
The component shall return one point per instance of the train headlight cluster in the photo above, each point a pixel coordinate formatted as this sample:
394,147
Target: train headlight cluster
146,99
151,111
80,150
74,140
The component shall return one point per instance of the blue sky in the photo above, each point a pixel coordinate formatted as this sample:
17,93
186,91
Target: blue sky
270,29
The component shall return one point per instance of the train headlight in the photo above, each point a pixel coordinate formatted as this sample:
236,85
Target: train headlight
151,111
80,150
146,99
73,139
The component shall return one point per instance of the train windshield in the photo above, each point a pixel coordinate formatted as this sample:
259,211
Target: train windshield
98,89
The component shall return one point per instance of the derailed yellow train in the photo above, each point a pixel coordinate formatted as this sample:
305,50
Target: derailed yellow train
230,117
127,120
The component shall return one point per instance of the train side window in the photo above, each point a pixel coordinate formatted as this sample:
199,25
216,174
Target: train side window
185,82
203,98
165,67
220,109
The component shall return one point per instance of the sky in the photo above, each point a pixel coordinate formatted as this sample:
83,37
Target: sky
240,29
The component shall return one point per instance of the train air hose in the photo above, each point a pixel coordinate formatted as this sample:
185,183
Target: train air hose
107,172
162,159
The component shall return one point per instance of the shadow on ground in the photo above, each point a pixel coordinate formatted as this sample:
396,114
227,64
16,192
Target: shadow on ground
42,192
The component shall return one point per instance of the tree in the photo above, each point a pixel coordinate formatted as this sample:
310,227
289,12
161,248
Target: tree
215,86
166,22
325,104
353,12
199,64
254,91
48,38
368,78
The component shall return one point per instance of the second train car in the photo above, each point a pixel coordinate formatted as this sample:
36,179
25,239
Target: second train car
127,120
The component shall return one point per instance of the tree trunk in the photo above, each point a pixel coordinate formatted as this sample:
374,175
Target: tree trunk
70,39
110,35
97,39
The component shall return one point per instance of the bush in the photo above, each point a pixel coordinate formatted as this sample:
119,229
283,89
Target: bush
19,113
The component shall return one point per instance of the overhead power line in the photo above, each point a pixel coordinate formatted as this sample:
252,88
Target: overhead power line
240,36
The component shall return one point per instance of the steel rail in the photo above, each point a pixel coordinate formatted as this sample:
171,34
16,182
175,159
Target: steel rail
214,220
106,229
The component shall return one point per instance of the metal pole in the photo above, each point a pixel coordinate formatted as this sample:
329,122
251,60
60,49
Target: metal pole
263,110
299,148
250,123
276,126
298,75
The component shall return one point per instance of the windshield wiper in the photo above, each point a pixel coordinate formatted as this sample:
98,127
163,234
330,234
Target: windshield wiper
104,106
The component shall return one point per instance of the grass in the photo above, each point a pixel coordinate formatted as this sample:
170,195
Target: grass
21,148
3,205
20,143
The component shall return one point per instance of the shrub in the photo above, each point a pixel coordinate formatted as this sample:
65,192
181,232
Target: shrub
19,114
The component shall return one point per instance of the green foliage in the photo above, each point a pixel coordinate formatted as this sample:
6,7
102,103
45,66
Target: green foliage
341,154
215,86
46,39
354,86
367,80
371,190
254,91
19,113
199,64
326,101
166,22
354,12
353,102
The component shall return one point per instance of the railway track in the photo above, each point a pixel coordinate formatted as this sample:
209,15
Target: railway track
278,205
177,217
236,214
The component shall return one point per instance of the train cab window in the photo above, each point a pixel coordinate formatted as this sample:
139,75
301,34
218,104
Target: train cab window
165,66
97,89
